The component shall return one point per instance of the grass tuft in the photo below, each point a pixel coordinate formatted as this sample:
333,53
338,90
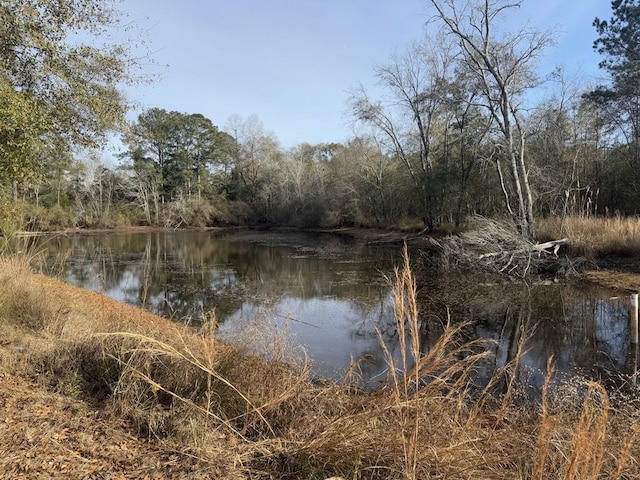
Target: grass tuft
593,237
249,412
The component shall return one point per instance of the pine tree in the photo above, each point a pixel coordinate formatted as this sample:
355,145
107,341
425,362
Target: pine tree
619,43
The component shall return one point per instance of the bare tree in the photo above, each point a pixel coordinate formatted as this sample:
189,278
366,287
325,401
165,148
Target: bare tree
503,65
255,150
465,139
301,182
562,146
409,120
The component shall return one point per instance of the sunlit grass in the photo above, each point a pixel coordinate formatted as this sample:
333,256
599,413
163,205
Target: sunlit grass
594,236
255,418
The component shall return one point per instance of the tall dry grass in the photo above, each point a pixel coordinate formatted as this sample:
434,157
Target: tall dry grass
253,418
585,436
592,237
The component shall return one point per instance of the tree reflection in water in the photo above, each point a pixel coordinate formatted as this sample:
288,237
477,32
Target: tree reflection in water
336,300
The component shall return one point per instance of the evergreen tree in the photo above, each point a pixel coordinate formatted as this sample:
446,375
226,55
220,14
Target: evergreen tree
619,42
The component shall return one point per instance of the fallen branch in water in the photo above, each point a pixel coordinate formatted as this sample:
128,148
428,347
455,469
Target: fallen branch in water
538,247
498,247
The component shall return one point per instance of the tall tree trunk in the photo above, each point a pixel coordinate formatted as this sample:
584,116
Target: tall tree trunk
500,66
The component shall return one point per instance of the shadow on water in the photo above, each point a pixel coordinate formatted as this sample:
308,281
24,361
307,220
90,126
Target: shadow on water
332,296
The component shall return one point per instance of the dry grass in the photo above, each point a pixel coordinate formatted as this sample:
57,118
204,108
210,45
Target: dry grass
245,417
592,237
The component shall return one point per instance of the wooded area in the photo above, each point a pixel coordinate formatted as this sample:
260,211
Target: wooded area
467,126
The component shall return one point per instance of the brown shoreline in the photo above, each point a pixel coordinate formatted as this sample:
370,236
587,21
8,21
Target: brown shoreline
48,433
129,229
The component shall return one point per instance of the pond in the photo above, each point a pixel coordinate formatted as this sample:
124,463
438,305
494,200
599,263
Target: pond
330,296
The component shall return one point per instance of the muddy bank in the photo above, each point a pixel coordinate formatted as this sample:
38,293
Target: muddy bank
616,272
381,237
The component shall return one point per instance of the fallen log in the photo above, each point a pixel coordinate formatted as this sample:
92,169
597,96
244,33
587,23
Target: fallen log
538,247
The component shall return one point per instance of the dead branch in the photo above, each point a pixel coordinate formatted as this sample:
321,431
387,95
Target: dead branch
495,246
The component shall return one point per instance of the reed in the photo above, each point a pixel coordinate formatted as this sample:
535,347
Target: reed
253,417
593,237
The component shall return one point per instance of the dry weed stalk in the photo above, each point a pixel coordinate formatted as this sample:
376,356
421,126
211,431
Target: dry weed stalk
547,426
437,378
264,419
583,447
626,456
406,314
135,359
589,440
199,361
415,425
591,236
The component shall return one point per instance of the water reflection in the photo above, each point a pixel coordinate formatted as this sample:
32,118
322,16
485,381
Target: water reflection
583,327
182,274
335,332
331,294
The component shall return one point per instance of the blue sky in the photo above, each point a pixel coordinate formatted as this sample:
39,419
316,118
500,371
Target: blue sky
293,62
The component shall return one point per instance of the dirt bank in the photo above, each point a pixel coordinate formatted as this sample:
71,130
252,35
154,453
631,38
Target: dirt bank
49,435
45,433
619,273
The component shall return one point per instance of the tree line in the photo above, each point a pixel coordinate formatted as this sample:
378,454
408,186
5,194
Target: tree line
465,126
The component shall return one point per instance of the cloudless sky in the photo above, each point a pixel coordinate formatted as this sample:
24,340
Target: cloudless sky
293,62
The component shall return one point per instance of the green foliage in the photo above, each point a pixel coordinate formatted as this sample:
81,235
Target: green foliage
619,40
181,151
21,129
619,43
59,80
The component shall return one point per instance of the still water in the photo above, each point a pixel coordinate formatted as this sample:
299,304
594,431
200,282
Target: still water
331,297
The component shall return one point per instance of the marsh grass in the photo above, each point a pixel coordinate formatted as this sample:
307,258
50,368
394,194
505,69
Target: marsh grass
253,417
592,237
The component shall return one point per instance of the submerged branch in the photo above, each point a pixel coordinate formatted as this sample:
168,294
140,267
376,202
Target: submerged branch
497,247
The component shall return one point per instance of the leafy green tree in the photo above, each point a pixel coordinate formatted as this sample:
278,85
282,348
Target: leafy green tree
21,129
151,142
227,152
619,42
199,150
56,189
175,156
59,79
